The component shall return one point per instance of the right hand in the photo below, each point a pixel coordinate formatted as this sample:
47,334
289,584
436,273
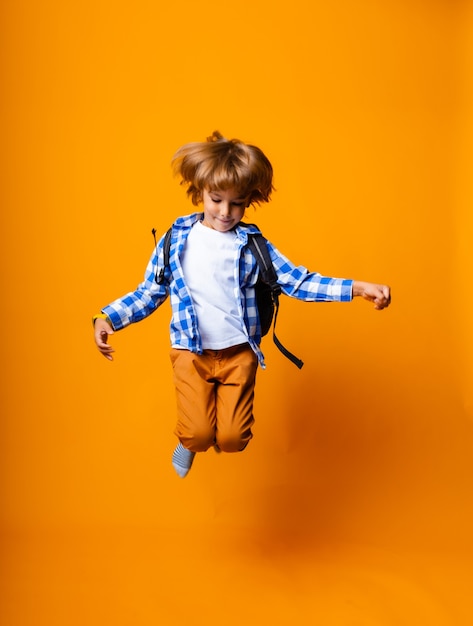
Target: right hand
102,330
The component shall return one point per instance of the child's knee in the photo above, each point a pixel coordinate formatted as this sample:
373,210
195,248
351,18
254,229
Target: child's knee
233,441
198,439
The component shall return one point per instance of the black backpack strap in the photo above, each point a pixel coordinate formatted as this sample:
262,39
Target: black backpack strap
159,278
257,245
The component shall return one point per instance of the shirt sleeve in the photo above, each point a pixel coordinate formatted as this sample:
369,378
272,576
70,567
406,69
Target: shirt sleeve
147,297
298,282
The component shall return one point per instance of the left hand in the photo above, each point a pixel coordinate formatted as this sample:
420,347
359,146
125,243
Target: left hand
380,295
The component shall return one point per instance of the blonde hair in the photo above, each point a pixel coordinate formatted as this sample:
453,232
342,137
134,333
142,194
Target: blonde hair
220,164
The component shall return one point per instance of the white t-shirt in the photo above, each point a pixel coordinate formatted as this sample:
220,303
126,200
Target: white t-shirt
208,263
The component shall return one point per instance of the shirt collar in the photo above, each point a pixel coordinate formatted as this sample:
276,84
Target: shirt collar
242,229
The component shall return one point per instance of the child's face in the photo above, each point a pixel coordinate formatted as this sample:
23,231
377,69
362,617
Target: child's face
223,209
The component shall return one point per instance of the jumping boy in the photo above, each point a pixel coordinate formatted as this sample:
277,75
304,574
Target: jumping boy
210,279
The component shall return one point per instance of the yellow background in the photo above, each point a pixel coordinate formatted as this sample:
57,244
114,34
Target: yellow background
353,503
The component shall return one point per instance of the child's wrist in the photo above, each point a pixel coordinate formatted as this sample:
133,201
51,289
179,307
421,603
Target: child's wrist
101,316
356,291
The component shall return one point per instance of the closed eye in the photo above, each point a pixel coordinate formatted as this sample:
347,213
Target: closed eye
237,204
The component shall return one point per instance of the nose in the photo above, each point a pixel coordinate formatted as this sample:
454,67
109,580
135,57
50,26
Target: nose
225,209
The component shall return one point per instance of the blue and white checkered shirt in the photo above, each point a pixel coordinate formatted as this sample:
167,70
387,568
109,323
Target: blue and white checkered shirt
295,281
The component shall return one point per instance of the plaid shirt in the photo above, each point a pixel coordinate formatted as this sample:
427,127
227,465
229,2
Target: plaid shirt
295,281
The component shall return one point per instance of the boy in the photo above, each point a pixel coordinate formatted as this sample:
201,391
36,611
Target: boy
210,279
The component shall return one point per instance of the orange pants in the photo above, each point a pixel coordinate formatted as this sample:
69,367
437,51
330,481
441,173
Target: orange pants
215,392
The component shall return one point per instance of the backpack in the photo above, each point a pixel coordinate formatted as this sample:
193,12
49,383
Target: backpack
267,289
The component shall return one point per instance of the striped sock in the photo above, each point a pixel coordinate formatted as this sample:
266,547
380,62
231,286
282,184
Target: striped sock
182,460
